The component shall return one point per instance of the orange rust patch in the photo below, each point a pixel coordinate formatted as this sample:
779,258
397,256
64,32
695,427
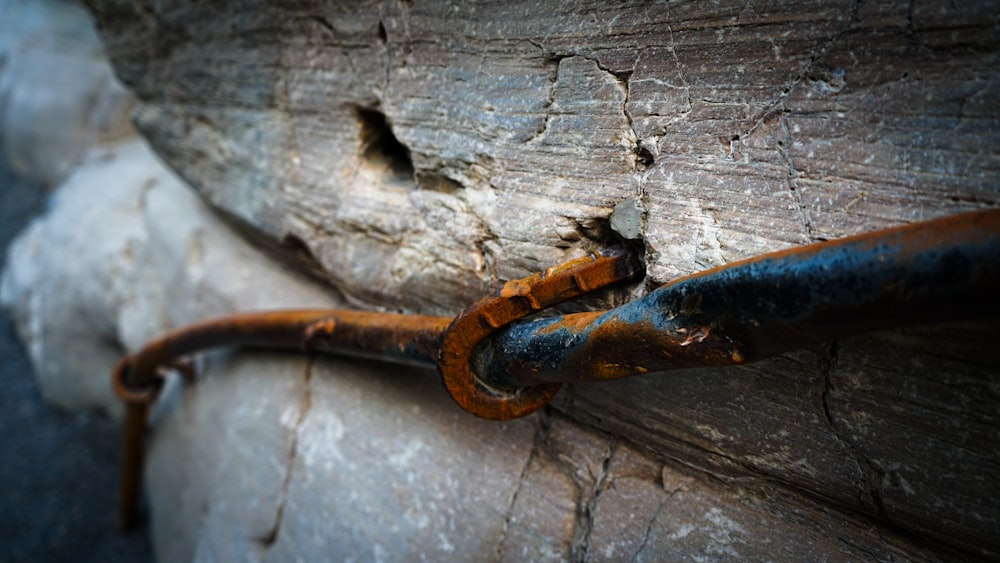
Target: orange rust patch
489,321
515,288
516,299
323,326
569,265
611,370
575,322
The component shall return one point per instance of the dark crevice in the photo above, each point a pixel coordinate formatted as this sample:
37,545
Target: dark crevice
380,34
295,248
437,182
587,507
541,435
379,146
870,474
731,146
554,61
599,231
643,157
272,536
291,251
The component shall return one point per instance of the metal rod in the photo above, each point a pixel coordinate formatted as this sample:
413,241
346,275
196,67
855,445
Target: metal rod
942,270
130,473
387,336
401,338
936,271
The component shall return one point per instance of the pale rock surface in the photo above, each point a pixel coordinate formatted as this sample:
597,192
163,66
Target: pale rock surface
58,94
96,276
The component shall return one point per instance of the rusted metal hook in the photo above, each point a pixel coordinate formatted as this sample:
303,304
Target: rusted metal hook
417,339
137,380
518,299
499,367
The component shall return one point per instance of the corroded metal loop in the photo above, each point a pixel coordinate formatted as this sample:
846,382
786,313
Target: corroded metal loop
132,394
515,300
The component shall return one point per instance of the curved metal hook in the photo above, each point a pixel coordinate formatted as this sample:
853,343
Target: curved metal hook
517,299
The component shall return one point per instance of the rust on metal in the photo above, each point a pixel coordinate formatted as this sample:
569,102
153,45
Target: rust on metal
325,330
517,299
137,381
498,366
942,270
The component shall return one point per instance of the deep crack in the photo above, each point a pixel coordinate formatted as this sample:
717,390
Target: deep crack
642,156
585,509
272,535
649,526
549,102
870,475
784,148
541,434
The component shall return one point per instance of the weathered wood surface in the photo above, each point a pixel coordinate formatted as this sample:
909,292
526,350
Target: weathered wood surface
423,153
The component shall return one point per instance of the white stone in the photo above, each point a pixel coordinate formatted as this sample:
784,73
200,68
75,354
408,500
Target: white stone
58,93
97,275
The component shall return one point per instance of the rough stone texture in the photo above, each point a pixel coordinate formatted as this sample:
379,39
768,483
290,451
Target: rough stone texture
285,457
58,94
900,425
97,276
740,129
646,511
45,454
421,153
386,467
